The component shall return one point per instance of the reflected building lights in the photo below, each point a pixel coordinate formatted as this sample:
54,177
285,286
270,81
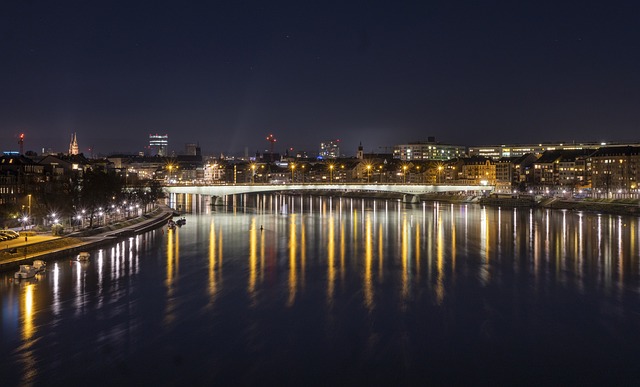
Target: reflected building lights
368,258
28,356
404,256
439,288
303,252
27,317
293,275
253,257
380,253
212,261
55,305
331,271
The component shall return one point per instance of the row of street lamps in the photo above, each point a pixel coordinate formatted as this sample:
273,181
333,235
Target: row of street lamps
332,167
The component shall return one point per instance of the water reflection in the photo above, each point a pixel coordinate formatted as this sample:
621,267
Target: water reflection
293,245
350,269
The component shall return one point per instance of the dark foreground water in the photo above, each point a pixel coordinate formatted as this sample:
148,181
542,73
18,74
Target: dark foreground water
344,292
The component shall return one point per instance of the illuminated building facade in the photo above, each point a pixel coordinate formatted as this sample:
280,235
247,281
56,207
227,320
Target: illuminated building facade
428,150
330,150
159,144
615,171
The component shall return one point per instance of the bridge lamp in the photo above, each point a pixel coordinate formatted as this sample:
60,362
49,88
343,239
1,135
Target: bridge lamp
253,173
368,172
331,166
293,168
404,174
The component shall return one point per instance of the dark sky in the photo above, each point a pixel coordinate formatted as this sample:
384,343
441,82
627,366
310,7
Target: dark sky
226,74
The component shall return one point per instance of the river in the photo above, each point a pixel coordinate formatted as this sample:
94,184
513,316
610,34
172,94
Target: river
306,290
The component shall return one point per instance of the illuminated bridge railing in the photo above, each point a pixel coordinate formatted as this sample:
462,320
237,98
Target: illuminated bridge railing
411,189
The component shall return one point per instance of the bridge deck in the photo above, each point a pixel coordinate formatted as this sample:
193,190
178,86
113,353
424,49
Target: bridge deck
412,189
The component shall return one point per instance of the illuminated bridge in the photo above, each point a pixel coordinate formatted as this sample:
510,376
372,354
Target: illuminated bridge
410,192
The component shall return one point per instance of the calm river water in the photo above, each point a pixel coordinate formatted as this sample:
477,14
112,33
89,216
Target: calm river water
312,290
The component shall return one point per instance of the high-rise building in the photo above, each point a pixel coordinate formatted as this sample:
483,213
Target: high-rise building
191,149
73,145
330,150
159,144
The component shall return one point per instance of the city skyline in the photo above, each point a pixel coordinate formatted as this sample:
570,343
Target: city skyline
371,72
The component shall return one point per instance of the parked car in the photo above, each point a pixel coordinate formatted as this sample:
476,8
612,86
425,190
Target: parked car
9,233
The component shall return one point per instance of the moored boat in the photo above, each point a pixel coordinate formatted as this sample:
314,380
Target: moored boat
26,271
39,265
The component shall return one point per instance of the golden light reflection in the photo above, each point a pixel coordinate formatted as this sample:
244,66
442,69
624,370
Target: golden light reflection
417,249
380,253
343,250
28,358
453,248
405,258
368,257
484,245
212,261
27,318
170,269
439,262
171,257
303,253
293,275
262,255
331,270
253,256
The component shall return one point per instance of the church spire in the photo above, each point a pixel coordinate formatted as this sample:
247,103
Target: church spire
73,145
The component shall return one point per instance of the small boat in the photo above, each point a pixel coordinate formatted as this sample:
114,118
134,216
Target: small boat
83,256
26,271
39,265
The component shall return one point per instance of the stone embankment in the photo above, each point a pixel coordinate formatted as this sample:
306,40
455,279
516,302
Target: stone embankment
20,251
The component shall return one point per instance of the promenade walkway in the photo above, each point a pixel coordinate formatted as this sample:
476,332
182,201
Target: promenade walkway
46,247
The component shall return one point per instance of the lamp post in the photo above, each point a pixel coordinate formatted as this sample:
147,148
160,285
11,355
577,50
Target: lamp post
439,173
404,174
253,173
331,166
368,172
293,168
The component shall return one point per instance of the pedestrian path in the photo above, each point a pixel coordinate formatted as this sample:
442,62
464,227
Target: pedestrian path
45,246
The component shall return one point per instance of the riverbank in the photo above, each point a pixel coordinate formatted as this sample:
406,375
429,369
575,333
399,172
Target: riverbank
46,247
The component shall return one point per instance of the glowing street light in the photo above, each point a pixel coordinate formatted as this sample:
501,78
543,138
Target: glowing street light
253,173
404,174
293,168
368,172
331,166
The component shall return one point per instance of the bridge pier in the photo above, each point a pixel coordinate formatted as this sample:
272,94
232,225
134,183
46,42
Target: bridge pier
217,201
409,198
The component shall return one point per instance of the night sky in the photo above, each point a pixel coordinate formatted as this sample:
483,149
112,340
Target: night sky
226,74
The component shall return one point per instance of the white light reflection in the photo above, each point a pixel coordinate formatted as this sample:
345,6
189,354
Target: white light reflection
55,305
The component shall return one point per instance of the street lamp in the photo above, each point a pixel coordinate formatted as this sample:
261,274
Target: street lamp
331,166
293,168
253,173
440,167
368,172
404,174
